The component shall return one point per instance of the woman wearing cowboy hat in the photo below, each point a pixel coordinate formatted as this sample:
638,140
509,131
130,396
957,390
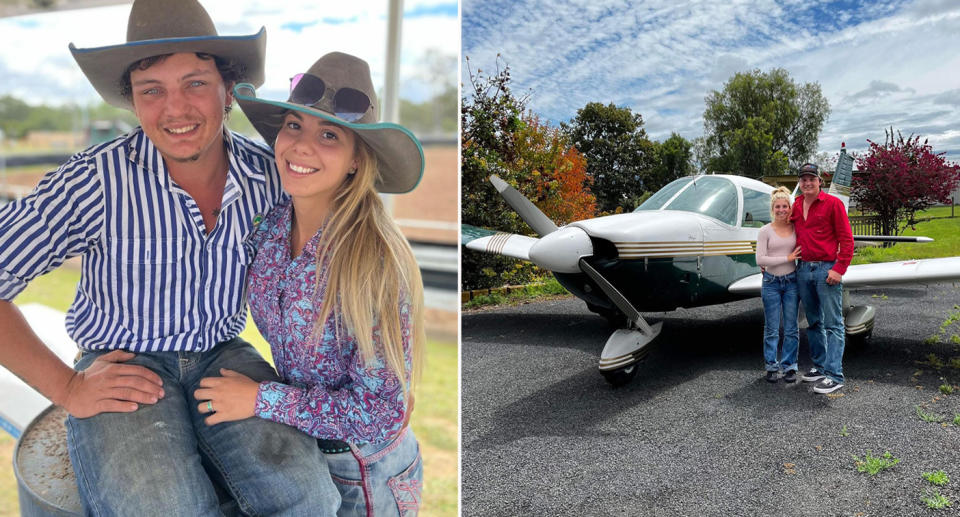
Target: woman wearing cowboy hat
335,288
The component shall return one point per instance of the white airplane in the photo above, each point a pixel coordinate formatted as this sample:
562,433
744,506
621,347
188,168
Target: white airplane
691,244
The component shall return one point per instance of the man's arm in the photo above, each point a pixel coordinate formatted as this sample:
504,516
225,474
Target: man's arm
106,386
844,235
56,221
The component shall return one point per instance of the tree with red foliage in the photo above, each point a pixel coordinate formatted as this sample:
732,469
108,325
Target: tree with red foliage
900,178
551,172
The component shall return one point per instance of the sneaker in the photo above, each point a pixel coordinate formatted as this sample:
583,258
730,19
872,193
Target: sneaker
790,376
827,386
771,376
813,375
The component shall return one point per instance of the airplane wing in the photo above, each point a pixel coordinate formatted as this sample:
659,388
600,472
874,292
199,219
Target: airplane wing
498,243
925,271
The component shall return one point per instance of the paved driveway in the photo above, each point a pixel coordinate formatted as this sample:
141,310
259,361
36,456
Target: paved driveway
698,432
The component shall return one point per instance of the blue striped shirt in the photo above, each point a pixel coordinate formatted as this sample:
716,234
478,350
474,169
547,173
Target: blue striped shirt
152,279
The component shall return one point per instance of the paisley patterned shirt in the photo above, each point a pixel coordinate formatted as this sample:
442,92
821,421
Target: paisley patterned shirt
328,391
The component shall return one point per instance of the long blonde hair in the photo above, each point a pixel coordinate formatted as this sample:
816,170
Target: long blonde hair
780,193
371,266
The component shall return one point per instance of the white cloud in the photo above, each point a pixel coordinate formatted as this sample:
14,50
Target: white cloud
878,63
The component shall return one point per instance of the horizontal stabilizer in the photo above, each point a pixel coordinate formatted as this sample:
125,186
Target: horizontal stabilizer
498,243
926,271
891,238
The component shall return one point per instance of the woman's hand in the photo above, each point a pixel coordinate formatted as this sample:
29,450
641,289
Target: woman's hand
228,398
794,255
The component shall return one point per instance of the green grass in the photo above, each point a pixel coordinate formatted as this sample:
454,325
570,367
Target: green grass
928,417
873,465
844,432
935,500
946,389
938,478
550,287
944,232
434,418
934,361
956,419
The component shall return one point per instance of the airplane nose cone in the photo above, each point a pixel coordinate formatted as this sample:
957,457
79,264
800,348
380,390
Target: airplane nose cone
560,251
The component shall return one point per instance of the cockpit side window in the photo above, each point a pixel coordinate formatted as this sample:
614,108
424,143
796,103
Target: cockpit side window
756,208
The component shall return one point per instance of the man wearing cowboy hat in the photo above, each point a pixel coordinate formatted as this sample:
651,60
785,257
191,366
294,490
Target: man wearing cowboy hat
160,217
826,240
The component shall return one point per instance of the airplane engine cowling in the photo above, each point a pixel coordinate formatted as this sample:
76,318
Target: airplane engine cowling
560,251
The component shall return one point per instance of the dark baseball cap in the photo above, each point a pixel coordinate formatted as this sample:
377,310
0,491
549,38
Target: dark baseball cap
809,168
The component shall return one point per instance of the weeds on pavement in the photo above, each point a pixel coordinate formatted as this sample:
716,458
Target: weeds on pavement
873,465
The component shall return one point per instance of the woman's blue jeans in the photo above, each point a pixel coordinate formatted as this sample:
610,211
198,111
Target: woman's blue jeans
779,294
380,480
152,461
823,304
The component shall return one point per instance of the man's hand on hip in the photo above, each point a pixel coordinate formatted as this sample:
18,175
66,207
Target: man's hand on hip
108,386
833,278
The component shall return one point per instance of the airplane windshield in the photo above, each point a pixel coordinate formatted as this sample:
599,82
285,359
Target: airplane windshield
663,195
708,195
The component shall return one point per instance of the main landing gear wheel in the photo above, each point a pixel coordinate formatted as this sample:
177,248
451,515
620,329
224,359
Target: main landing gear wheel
858,341
620,377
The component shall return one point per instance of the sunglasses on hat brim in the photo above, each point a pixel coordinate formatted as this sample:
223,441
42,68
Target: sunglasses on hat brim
348,104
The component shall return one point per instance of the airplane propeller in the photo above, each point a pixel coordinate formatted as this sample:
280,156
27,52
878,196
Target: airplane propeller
524,208
566,250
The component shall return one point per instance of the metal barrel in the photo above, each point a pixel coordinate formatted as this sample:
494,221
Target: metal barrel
45,480
46,484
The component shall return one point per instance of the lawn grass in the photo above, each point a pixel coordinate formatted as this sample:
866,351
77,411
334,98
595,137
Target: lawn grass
944,231
434,420
549,287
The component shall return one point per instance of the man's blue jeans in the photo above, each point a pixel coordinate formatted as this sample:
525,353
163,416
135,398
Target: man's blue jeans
779,294
151,461
823,304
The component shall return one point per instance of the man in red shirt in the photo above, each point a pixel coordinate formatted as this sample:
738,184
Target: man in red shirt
826,240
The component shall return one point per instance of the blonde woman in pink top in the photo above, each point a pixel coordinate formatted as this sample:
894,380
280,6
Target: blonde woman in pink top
777,253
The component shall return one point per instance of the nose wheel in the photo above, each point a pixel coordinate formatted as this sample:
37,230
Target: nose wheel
622,376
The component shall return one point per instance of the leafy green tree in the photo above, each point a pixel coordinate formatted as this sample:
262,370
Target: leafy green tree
12,112
489,117
437,116
439,113
674,160
762,123
619,155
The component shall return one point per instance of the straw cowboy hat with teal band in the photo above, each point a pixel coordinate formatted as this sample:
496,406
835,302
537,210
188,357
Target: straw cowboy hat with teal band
158,27
338,89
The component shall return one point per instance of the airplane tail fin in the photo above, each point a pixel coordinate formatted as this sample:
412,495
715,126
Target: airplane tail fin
842,178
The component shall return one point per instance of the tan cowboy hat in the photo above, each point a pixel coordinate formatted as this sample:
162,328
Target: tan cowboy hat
338,88
158,27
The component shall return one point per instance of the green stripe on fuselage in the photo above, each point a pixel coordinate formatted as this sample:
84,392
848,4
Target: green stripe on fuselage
664,284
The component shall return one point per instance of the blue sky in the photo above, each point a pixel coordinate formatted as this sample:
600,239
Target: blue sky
36,66
878,63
